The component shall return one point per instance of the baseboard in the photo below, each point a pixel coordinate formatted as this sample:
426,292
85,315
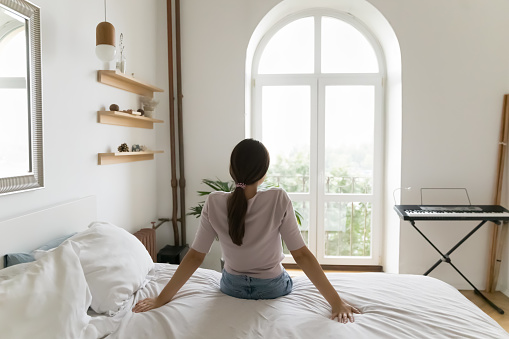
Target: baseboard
348,268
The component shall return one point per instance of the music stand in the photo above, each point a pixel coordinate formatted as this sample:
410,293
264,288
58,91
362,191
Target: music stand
455,194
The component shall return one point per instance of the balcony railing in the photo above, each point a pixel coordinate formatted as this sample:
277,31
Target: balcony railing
347,229
333,184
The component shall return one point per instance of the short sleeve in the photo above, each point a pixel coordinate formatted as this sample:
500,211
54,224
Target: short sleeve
205,235
290,229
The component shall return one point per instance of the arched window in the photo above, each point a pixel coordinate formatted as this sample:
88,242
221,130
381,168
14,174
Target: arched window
317,104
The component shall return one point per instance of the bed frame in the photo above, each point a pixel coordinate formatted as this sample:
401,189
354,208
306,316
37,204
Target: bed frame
29,231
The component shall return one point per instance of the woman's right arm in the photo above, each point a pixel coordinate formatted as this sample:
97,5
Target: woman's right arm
187,267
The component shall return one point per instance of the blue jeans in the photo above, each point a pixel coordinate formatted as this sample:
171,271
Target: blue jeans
244,287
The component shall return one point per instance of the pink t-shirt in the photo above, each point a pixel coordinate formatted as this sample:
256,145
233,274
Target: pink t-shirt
269,218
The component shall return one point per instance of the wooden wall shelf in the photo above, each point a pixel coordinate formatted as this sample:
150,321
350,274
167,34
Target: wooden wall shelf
127,83
125,119
120,157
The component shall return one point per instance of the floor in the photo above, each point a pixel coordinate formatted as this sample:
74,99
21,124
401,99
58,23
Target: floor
498,298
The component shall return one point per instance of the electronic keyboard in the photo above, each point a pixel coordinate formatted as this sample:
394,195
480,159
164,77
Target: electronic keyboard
452,212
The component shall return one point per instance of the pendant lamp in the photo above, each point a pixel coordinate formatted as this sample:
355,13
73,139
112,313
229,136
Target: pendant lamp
105,40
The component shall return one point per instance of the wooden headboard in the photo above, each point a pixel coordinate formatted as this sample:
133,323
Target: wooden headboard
31,230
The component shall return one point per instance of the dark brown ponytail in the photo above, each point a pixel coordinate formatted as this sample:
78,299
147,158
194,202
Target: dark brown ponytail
249,163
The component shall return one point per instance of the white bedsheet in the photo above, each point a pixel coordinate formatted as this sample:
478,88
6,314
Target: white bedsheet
393,306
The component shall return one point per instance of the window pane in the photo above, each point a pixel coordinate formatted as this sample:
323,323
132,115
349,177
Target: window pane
303,209
347,229
349,139
345,49
285,133
290,50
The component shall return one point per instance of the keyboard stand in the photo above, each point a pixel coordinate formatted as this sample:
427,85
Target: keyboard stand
446,258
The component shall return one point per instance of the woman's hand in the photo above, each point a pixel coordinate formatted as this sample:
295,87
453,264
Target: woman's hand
343,312
146,305
189,264
308,263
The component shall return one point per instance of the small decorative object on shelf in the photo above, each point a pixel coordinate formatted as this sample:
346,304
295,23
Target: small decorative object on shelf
123,148
135,148
121,64
141,111
143,148
114,107
149,106
130,111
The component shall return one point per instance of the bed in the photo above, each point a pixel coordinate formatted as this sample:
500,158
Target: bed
393,306
79,289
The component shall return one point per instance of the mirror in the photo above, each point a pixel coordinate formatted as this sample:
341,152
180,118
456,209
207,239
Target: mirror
21,165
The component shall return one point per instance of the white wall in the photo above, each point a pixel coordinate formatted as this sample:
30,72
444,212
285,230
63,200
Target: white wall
126,193
455,71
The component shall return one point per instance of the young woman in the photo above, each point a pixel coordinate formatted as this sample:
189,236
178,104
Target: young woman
250,225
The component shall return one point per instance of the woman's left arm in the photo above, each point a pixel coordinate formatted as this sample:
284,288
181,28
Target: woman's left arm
189,265
308,263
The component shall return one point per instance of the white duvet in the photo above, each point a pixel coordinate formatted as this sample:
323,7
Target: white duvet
392,306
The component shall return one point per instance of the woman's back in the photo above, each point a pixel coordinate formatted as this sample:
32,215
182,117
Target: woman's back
269,217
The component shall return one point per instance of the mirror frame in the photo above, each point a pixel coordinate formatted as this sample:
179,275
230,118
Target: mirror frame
34,180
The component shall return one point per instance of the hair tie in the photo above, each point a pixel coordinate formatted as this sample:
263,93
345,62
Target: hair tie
241,185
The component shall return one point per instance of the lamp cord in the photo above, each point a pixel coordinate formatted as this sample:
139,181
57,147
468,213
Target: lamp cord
399,188
104,10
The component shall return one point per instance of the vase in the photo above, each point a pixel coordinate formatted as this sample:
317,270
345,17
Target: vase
121,65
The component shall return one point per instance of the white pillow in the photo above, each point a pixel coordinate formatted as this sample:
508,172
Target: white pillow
115,264
14,270
48,300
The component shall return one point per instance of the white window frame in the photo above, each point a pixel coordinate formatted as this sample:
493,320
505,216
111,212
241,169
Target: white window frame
317,83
